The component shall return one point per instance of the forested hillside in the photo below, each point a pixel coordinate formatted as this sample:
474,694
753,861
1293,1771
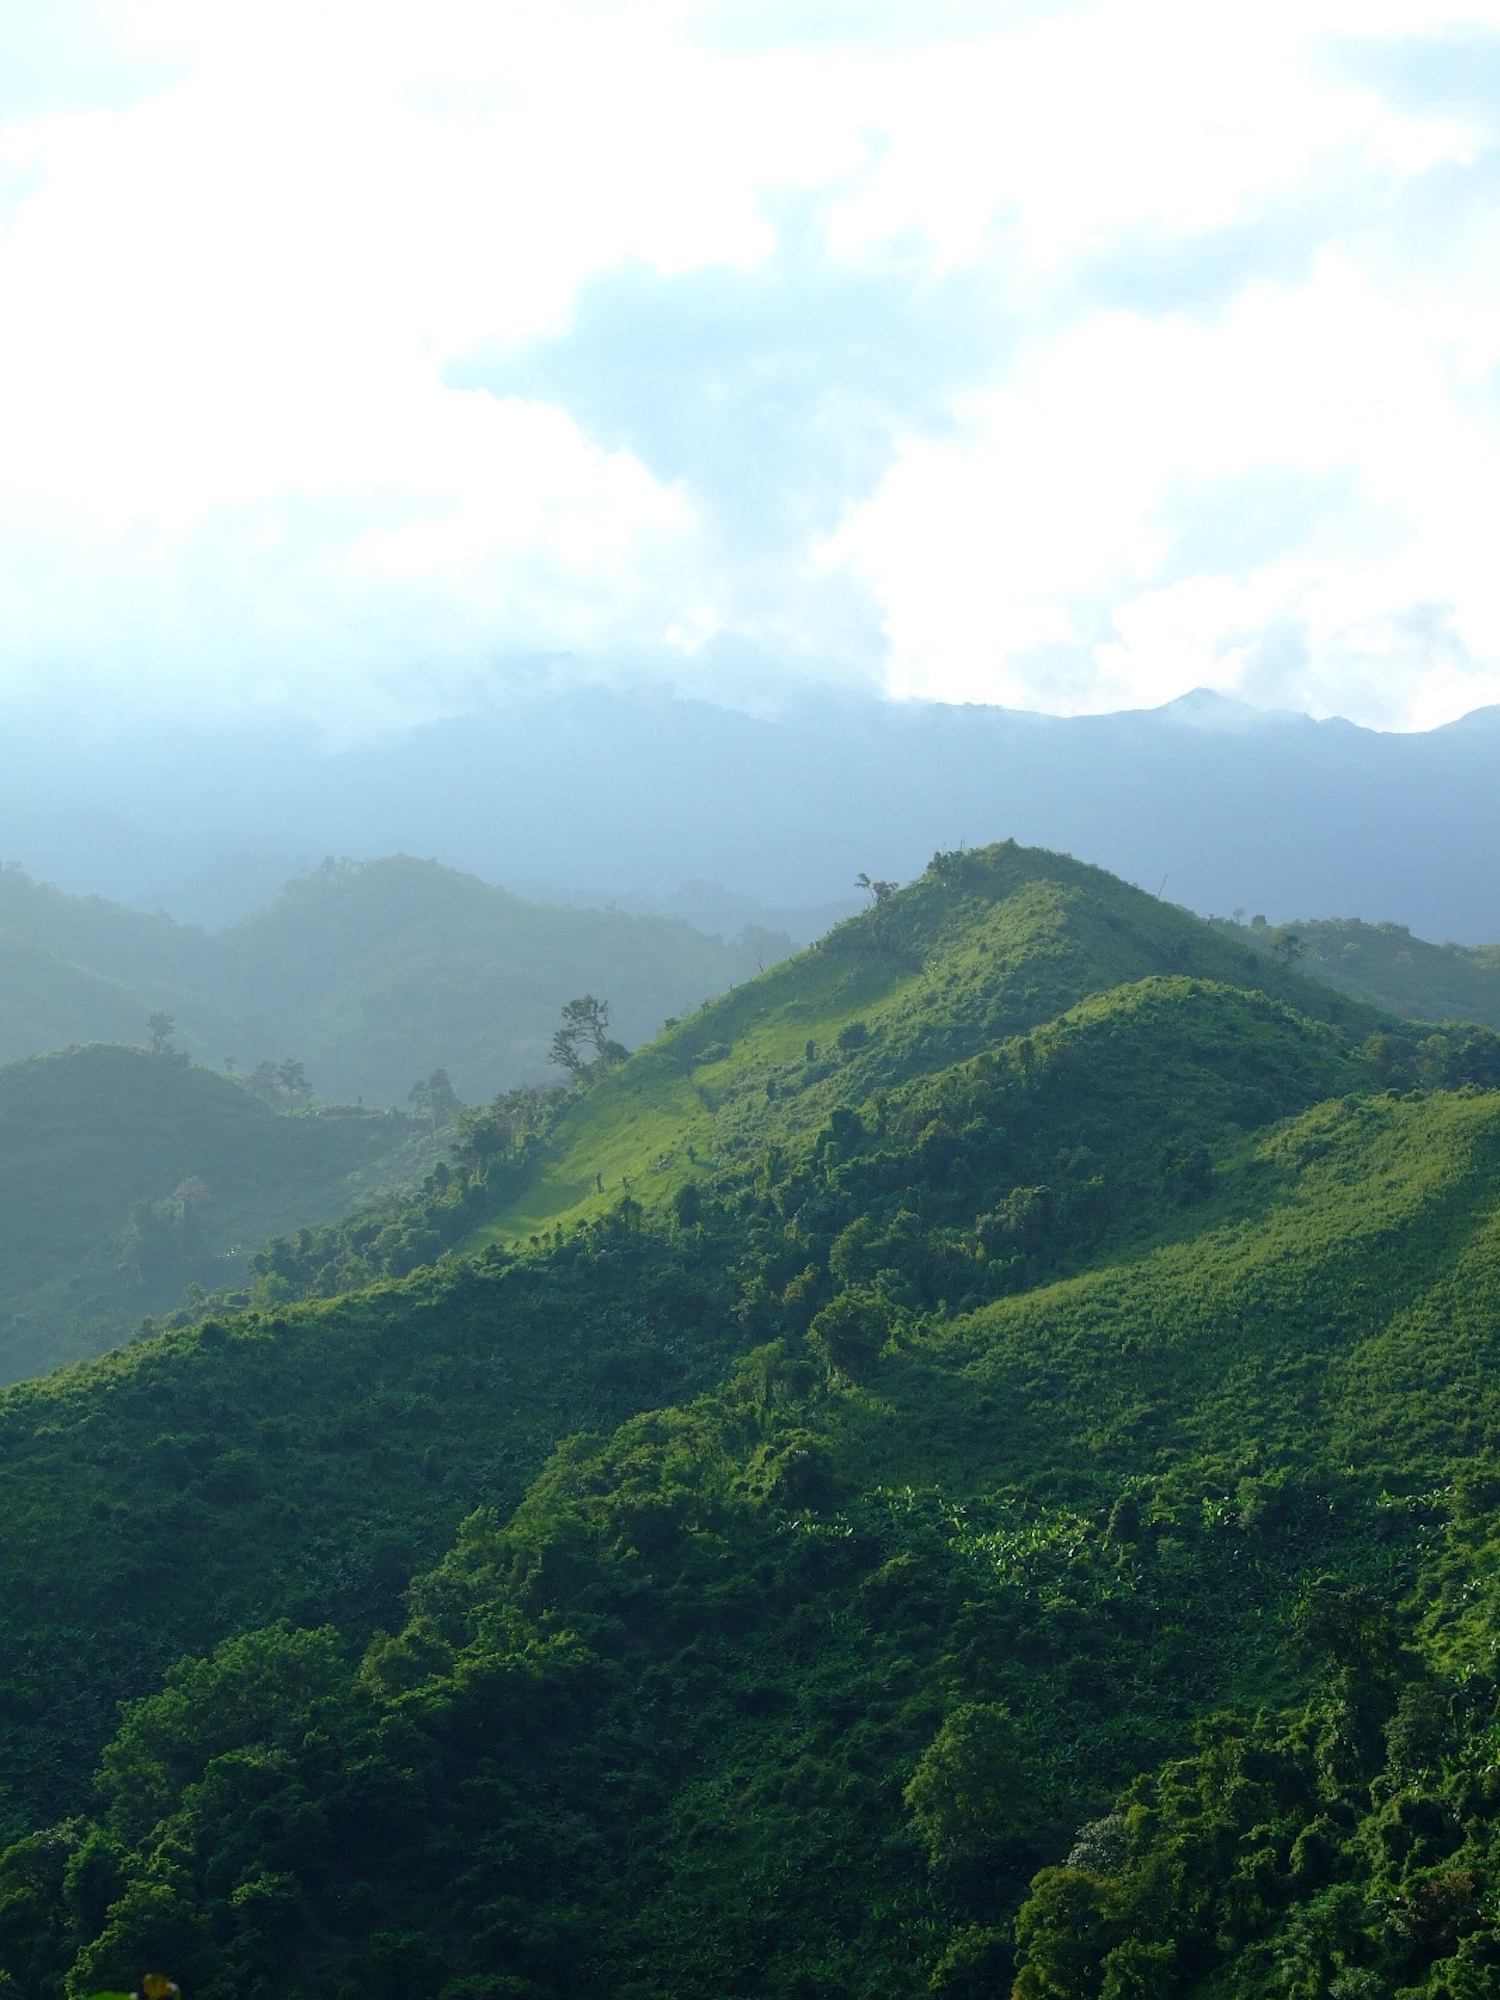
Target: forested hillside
128,1179
371,976
970,1462
1385,964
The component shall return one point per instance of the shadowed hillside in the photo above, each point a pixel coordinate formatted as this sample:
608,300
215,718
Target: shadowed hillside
127,1177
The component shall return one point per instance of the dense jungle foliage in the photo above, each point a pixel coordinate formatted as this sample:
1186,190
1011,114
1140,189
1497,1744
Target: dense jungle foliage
370,975
970,1464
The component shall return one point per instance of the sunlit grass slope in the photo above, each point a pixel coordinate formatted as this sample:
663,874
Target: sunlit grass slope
984,946
1013,1554
987,1058
1333,1304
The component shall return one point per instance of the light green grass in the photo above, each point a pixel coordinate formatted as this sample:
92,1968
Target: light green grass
943,973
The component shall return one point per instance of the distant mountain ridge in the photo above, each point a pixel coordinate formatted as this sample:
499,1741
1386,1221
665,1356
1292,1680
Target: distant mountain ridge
619,795
372,975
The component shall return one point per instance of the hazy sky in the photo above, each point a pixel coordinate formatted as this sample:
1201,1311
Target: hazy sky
353,357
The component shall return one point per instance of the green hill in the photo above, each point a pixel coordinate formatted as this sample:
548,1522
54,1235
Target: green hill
371,975
127,1177
1025,1442
1385,964
374,974
984,947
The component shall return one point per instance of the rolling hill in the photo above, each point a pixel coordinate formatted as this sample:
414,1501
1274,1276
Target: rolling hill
998,1486
1385,964
370,975
127,1178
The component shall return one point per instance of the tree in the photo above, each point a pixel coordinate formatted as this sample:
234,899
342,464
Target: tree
263,1081
565,1053
161,1027
585,1025
435,1099
975,1791
877,892
1288,947
851,1329
161,1235
280,1083
293,1079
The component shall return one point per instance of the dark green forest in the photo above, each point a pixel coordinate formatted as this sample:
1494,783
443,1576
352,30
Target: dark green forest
370,974
968,1465
132,1182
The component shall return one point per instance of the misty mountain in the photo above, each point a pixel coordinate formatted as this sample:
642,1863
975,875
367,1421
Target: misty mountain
1385,964
600,795
127,1177
371,975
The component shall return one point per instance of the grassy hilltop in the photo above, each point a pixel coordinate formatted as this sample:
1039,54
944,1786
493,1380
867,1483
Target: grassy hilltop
946,970
998,1486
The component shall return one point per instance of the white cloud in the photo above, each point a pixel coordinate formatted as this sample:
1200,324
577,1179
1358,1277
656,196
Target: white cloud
230,457
1050,518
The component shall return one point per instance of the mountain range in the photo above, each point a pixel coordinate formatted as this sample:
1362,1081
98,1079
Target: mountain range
134,1182
371,975
600,794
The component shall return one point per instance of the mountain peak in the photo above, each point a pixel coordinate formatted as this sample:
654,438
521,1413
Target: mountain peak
1206,708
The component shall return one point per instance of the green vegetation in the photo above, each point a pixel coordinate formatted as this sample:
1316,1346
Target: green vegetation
1385,964
971,1462
371,975
128,1178
984,947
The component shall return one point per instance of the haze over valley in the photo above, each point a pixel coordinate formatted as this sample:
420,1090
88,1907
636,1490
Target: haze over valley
727,819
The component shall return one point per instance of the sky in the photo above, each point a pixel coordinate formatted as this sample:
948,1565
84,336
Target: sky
366,362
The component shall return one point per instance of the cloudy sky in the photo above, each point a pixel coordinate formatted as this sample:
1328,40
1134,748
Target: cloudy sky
362,359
